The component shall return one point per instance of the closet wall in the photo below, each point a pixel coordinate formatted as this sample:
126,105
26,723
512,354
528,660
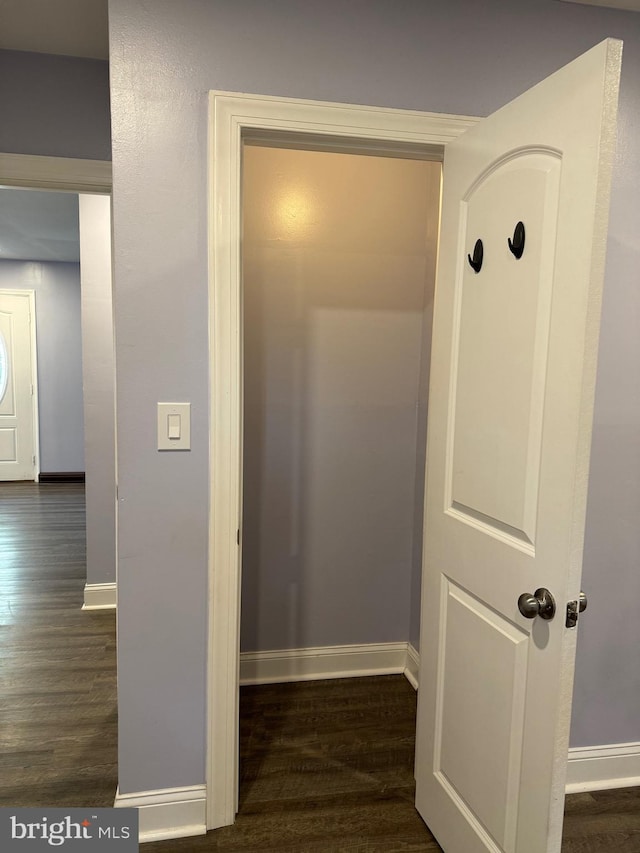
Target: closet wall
338,272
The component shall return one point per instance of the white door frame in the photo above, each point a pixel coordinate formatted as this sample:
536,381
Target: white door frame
63,174
298,123
33,346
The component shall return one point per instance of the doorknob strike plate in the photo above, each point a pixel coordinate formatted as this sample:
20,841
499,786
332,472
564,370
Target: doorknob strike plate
572,614
575,607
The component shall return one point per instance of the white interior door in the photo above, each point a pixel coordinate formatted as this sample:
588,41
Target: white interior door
510,409
17,432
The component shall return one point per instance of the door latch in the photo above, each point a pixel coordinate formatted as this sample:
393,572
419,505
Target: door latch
575,607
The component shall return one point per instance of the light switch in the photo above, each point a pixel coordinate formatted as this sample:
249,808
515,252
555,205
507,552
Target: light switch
174,426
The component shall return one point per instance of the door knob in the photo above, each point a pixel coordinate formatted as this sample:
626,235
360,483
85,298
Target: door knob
582,602
541,604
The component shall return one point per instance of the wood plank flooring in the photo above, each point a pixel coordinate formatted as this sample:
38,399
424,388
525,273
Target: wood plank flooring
58,735
326,766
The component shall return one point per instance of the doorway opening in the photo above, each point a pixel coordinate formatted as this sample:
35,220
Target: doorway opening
45,529
237,120
338,270
338,278
57,256
42,434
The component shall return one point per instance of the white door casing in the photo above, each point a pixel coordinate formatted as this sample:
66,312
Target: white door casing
510,410
18,413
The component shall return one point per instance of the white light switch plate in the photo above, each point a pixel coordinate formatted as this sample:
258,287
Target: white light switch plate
174,426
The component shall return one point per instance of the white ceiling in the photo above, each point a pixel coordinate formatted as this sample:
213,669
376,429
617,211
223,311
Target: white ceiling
67,27
38,226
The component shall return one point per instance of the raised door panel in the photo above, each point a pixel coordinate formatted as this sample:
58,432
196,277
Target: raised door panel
482,676
501,342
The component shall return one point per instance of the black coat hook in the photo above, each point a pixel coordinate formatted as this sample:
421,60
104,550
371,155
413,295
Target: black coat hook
478,253
517,246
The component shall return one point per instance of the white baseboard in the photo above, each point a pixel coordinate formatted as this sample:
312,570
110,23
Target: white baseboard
284,665
598,768
412,666
99,596
168,813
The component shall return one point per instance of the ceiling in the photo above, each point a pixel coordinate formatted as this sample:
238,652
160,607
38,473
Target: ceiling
38,226
67,27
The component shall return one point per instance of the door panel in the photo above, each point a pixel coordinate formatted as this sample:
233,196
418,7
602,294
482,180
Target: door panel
501,338
16,388
510,408
483,655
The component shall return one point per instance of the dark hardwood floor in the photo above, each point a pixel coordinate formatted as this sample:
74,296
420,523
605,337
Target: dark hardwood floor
326,766
57,662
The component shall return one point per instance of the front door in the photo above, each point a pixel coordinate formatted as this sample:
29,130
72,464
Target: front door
521,266
17,434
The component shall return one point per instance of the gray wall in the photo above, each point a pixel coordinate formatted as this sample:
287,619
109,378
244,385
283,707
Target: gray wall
434,56
98,370
57,289
336,267
54,105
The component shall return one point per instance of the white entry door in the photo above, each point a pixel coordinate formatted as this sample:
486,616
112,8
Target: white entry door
513,370
17,432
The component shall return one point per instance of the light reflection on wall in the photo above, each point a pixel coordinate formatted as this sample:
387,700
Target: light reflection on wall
296,213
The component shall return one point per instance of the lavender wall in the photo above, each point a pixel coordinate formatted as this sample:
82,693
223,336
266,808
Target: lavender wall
337,266
57,289
445,57
54,105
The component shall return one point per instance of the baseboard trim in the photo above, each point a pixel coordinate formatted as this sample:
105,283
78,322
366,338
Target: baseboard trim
61,477
599,768
168,812
283,665
412,666
99,596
